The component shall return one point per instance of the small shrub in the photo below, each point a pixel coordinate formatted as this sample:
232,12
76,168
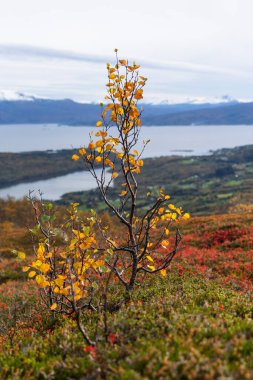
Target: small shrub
78,261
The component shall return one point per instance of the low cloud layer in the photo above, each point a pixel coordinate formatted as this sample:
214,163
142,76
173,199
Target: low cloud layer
31,52
60,73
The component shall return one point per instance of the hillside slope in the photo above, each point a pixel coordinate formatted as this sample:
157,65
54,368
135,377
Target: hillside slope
197,323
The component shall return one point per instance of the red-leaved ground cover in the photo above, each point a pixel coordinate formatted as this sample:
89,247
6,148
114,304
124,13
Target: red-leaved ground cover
219,248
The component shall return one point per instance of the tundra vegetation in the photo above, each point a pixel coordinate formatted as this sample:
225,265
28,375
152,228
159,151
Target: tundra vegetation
195,323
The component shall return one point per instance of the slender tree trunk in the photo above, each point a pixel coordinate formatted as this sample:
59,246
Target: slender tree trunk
83,332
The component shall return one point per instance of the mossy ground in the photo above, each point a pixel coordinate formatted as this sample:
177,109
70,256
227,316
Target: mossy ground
197,323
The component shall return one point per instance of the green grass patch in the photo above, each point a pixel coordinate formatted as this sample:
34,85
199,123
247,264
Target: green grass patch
233,183
224,196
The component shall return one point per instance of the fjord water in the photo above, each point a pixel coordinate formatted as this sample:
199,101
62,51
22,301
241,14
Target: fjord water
164,141
53,188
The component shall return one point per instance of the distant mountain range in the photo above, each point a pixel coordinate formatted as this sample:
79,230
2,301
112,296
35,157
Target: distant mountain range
18,108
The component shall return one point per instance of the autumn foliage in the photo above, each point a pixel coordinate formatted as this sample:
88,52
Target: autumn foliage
77,261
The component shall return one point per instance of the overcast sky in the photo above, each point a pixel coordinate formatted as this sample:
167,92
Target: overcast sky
187,48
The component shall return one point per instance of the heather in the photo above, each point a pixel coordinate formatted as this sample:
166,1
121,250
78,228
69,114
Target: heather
196,323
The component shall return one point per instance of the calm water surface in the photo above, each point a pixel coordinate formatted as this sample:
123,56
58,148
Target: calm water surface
53,188
164,141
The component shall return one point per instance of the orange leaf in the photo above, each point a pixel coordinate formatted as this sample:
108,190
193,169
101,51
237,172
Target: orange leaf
82,151
163,272
98,159
91,146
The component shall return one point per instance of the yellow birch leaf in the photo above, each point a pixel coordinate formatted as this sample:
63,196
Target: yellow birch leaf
21,255
62,276
59,282
150,258
115,175
75,157
100,263
99,123
174,216
79,234
41,249
54,306
120,111
39,279
151,267
32,274
37,263
45,268
100,150
65,291
100,143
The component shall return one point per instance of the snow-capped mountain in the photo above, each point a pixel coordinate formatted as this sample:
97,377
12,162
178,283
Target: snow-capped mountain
212,100
200,100
21,108
6,95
